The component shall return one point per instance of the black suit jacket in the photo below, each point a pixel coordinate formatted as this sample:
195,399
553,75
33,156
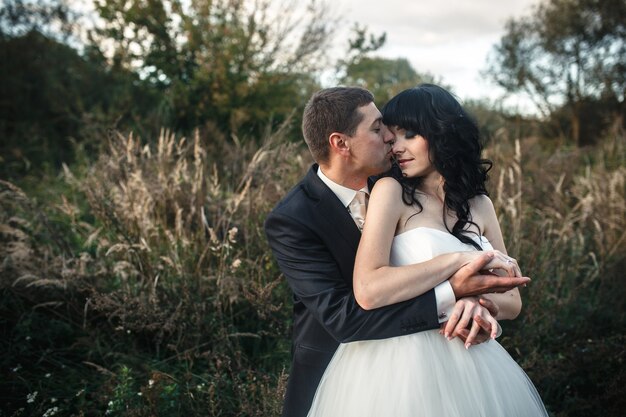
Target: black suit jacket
314,240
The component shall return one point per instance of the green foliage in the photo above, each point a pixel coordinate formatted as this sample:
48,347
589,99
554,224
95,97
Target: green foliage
128,289
496,123
362,43
53,97
382,76
138,282
218,65
562,214
157,295
54,18
42,103
220,62
565,55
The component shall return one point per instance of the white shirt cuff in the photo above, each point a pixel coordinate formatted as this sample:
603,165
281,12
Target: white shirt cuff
444,296
445,299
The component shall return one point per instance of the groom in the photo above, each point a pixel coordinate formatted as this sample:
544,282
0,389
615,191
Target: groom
314,237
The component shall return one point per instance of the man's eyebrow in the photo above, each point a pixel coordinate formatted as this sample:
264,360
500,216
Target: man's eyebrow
378,120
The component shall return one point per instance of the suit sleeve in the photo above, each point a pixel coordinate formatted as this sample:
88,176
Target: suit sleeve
315,279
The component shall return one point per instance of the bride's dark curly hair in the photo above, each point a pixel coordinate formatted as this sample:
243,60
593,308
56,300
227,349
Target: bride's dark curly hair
454,147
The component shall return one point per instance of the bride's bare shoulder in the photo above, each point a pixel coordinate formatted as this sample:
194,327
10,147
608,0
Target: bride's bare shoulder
387,191
483,213
387,184
481,204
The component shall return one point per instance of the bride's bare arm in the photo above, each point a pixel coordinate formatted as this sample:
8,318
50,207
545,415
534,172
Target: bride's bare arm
510,302
377,284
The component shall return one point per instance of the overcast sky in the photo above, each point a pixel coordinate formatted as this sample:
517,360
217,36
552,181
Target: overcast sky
447,38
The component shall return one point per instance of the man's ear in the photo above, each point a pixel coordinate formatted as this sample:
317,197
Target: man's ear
339,144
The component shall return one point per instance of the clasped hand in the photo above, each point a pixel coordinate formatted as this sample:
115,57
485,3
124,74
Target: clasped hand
472,320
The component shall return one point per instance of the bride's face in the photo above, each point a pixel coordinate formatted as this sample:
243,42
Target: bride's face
411,153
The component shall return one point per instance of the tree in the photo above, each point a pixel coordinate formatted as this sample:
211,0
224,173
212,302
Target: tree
382,76
228,62
53,18
53,97
568,57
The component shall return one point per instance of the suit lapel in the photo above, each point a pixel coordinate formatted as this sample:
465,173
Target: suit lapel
331,213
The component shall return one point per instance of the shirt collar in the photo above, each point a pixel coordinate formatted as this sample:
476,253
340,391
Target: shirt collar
344,194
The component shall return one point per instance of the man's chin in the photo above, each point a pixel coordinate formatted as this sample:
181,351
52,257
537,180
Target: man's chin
383,168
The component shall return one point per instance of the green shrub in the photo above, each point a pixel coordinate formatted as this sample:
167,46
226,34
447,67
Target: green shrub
149,283
563,215
142,284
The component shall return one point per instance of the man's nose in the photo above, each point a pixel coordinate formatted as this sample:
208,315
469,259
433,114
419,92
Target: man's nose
389,137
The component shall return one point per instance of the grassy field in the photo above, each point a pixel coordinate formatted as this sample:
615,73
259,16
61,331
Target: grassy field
139,283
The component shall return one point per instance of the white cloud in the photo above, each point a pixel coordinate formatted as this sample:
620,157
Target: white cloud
448,38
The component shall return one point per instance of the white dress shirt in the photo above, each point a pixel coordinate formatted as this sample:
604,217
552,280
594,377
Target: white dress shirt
444,295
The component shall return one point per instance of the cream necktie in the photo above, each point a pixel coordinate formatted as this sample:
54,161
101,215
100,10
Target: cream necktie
357,208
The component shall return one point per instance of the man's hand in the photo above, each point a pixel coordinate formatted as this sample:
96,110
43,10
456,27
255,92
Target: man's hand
473,321
472,280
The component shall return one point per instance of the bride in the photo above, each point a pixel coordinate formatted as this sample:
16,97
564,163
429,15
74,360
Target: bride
435,213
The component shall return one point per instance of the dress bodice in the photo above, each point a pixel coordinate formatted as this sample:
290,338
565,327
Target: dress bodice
423,243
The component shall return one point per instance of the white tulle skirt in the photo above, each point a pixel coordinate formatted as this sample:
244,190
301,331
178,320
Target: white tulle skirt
426,375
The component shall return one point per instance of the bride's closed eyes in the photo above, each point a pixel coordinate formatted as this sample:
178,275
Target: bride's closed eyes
410,134
406,133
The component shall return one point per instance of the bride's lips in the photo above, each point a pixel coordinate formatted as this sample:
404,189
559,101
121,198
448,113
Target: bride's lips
403,162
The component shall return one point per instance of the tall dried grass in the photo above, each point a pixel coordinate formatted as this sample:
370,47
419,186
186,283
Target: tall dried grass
170,259
564,218
146,287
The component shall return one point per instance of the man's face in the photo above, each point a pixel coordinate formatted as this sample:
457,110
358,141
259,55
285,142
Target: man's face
370,146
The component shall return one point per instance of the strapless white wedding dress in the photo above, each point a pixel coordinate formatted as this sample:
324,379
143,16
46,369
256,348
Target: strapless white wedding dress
424,374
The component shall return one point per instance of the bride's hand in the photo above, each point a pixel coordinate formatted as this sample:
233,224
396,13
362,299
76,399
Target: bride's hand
472,320
501,261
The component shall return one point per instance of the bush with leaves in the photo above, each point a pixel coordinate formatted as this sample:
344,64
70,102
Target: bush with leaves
147,288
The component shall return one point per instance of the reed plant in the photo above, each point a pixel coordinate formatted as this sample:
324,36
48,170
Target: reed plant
141,283
161,274
563,214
